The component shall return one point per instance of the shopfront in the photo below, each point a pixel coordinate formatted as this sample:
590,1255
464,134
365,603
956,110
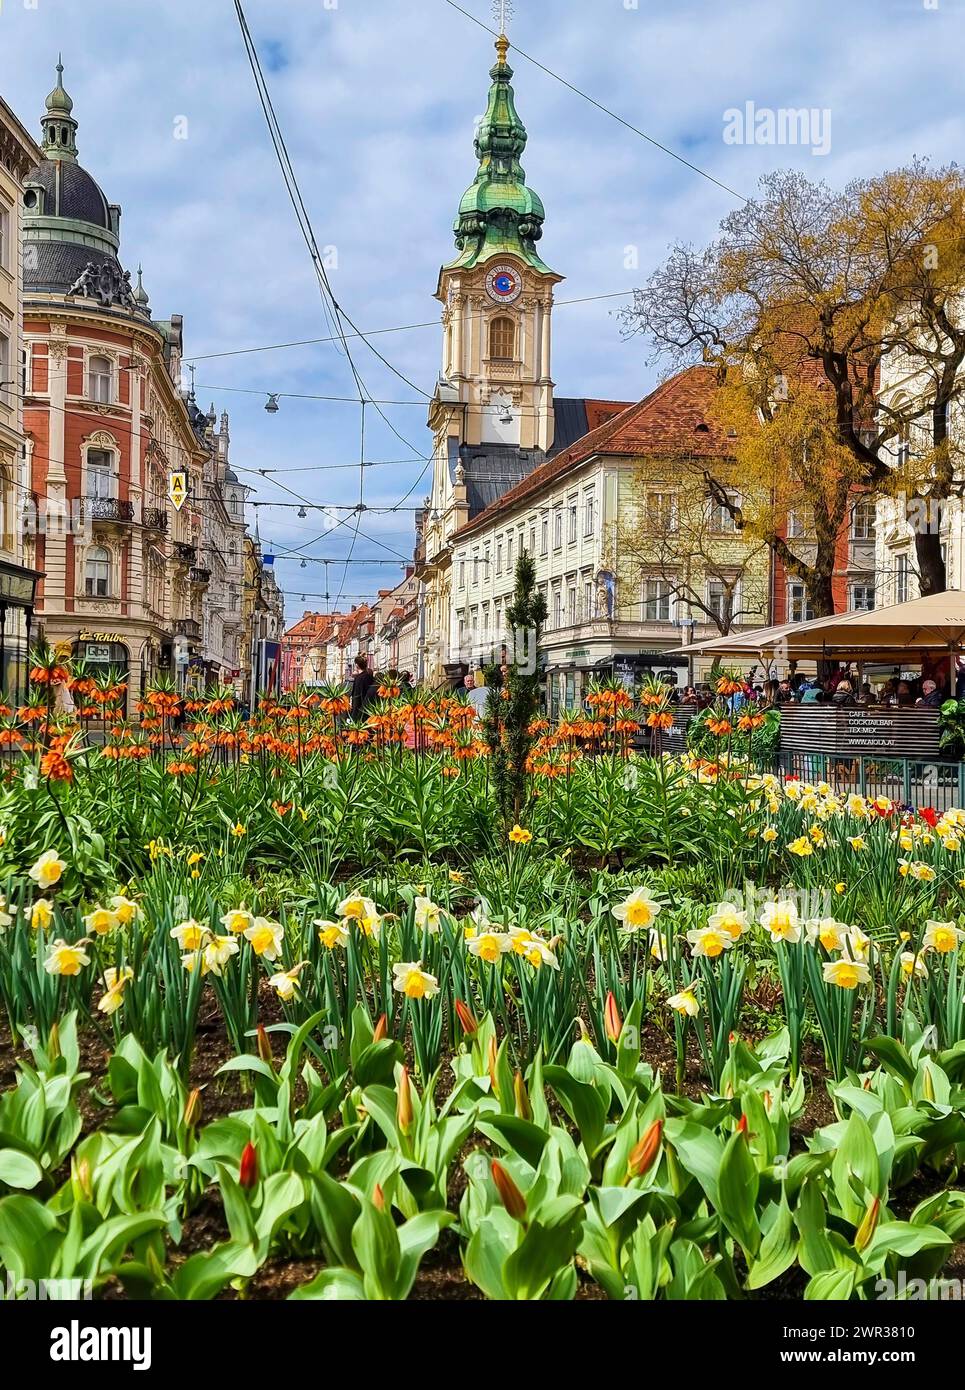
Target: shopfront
17,589
103,654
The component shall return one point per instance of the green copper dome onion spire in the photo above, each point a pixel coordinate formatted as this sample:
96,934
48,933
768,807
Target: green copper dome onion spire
499,215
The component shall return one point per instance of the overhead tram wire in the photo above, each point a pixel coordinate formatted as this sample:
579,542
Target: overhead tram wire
577,91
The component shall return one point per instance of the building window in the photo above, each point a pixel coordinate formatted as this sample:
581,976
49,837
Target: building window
721,520
100,380
656,601
509,551
97,573
571,522
798,604
721,600
462,572
862,598
544,534
863,520
661,508
100,474
6,382
901,579
800,522
557,607
587,598
557,529
589,514
571,612
502,338
499,557
475,567
532,540
6,246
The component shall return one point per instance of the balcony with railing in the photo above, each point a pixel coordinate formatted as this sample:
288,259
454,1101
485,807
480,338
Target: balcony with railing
187,627
156,519
110,509
184,553
200,575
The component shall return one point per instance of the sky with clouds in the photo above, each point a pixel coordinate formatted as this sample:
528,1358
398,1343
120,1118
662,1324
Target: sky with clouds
377,100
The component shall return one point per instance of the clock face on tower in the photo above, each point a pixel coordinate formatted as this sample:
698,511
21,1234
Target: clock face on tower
503,284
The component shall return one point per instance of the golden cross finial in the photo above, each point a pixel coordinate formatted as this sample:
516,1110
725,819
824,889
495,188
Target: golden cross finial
502,13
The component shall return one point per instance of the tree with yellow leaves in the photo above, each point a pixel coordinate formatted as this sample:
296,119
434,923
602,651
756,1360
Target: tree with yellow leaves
800,304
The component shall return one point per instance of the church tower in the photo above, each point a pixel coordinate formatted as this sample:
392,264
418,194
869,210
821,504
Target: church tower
496,385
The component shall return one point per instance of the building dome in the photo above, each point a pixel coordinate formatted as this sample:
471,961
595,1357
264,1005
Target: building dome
69,191
72,231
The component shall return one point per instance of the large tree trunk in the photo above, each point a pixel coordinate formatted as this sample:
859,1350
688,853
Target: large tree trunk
931,566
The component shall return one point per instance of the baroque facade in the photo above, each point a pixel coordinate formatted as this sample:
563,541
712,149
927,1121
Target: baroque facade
18,155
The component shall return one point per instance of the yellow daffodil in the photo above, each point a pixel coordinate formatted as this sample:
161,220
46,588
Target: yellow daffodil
124,909
218,952
638,910
237,920
916,869
63,959
189,935
780,919
709,941
488,946
456,877
238,830
685,1003
519,836
913,965
101,920
194,858
857,806
801,846
356,908
331,934
846,974
728,918
114,982
410,979
857,842
285,983
769,834
942,937
859,944
658,945
830,933
266,937
428,915
41,914
48,870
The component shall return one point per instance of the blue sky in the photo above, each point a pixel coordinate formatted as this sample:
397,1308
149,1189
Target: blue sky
378,100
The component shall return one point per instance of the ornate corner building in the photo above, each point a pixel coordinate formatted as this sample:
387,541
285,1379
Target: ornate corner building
18,155
107,424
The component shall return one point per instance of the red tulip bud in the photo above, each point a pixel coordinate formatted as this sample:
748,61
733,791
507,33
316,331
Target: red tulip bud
378,1197
381,1029
248,1169
403,1108
192,1109
643,1154
869,1224
467,1022
492,1067
264,1046
742,1125
523,1108
509,1194
611,1019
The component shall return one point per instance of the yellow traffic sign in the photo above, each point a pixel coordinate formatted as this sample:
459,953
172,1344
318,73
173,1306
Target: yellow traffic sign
178,490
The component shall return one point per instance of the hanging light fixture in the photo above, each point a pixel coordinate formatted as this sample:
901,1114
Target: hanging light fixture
272,403
302,513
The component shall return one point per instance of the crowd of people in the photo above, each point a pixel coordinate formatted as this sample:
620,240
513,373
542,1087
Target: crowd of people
841,689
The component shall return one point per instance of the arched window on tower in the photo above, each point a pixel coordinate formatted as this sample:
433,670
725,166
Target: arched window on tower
502,338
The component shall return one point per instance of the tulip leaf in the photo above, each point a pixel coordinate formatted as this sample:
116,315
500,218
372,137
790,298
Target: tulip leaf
19,1169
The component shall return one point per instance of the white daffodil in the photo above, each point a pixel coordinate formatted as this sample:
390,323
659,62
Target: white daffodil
942,937
428,914
63,959
237,920
728,918
332,934
410,979
266,937
709,942
218,953
779,918
488,946
48,870
685,1003
638,910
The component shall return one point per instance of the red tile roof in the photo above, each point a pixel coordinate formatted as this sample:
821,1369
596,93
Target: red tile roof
676,418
